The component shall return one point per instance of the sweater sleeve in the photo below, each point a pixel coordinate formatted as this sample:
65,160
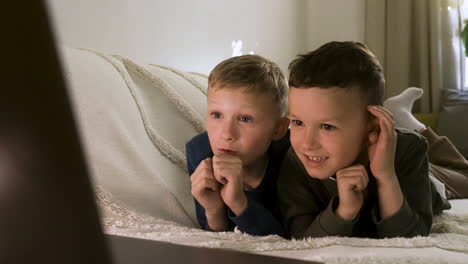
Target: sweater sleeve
415,215
256,220
305,211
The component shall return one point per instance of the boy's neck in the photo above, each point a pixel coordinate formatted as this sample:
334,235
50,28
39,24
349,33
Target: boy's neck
254,173
363,157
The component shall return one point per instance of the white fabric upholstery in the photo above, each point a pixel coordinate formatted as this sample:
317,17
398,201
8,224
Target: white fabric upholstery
133,133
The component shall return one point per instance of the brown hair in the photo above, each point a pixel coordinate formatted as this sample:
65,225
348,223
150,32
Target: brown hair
253,73
340,64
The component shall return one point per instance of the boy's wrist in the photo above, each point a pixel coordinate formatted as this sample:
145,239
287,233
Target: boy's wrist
215,212
388,179
217,221
347,215
390,197
239,206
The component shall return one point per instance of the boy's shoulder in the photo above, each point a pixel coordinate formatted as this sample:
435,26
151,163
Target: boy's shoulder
409,137
199,139
409,141
199,148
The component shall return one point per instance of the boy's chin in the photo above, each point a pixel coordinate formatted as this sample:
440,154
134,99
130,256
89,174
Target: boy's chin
320,175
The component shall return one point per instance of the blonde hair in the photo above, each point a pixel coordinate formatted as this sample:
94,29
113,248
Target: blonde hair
253,73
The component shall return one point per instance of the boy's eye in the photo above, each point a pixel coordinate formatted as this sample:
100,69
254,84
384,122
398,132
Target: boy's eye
296,122
327,127
245,119
216,115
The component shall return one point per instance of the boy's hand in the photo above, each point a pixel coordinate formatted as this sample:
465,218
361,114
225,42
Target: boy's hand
381,152
382,145
206,189
228,171
351,183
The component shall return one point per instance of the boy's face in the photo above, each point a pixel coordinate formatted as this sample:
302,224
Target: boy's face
329,128
239,123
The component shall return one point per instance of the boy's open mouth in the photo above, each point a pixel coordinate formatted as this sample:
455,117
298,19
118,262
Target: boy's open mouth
316,158
315,161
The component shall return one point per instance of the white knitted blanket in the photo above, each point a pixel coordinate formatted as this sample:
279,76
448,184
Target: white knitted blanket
447,243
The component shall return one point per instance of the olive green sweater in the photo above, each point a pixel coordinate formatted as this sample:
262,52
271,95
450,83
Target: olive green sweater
308,204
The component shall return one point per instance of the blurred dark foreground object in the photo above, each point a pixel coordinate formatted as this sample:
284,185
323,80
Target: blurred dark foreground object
48,212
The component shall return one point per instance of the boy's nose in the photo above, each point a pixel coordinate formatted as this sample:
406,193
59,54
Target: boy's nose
311,141
228,132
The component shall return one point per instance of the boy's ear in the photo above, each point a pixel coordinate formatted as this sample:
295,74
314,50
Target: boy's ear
373,125
373,128
281,128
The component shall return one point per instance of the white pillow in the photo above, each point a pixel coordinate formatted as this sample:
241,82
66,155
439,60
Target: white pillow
133,133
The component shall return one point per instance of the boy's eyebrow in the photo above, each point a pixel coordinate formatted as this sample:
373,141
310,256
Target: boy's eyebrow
334,118
291,116
244,104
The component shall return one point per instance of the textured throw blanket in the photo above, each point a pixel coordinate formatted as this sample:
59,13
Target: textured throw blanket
448,242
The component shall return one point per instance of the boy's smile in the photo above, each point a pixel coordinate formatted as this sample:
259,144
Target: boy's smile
329,127
314,161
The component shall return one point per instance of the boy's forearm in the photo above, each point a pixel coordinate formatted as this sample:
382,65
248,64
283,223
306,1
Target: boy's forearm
414,216
257,220
405,223
390,196
346,215
217,221
326,223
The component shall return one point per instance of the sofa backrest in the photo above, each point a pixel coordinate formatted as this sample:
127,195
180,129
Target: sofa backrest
134,120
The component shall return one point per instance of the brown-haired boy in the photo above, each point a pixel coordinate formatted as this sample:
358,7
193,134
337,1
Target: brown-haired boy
234,165
349,171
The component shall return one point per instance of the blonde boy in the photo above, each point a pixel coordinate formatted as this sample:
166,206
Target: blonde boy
234,166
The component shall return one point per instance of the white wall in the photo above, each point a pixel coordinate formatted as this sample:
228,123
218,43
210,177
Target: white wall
195,35
190,35
328,20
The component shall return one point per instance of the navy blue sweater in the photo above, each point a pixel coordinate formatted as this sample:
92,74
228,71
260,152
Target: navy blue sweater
261,217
